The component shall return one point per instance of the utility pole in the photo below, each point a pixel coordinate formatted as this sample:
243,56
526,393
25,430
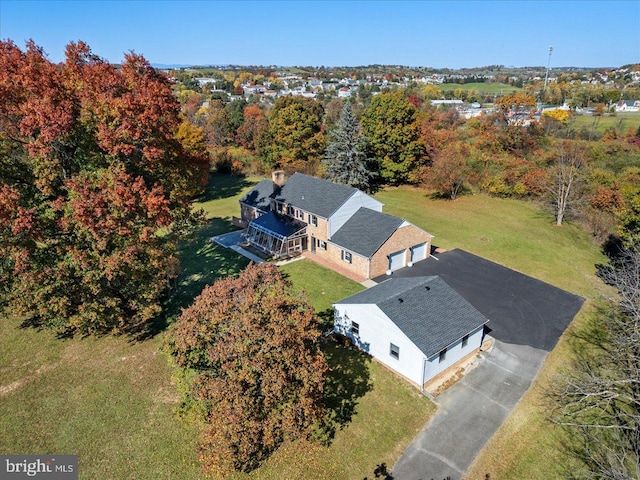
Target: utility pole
546,77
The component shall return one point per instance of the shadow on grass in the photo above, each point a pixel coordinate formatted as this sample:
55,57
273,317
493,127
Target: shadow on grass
202,262
223,186
381,471
326,320
347,382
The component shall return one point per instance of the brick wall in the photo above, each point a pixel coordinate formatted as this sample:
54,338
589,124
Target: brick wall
359,265
248,213
402,239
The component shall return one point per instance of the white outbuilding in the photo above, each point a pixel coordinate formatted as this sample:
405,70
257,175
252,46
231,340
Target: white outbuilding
418,327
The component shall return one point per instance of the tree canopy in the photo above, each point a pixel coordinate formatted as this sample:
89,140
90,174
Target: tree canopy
252,345
90,169
597,401
296,138
392,133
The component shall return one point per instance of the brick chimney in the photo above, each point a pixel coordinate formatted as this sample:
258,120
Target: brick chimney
278,179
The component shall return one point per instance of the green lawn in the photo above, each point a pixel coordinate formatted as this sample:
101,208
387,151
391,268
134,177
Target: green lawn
621,122
514,233
111,400
482,88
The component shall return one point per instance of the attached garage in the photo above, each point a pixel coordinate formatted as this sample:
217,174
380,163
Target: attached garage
396,260
418,252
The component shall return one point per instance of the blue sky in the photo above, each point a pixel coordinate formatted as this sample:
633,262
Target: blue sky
334,33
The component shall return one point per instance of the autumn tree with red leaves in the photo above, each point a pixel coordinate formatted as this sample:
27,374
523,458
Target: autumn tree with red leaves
448,171
251,345
91,167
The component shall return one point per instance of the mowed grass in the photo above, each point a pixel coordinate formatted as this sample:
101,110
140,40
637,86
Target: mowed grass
483,88
621,122
524,237
112,400
514,233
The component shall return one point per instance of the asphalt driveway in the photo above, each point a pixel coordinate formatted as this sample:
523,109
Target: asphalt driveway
527,317
469,413
521,310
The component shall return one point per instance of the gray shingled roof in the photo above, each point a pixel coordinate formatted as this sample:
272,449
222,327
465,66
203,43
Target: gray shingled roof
259,196
429,312
366,231
320,197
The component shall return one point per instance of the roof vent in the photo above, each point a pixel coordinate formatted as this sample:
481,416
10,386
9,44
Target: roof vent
400,300
427,288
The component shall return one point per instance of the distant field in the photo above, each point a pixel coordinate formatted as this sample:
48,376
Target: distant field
621,122
483,88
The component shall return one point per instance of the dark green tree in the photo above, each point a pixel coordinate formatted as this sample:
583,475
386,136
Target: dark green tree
295,138
345,159
392,132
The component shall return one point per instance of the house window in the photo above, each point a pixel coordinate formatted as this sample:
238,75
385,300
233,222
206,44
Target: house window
300,214
465,341
355,328
313,220
346,256
290,210
322,244
443,355
394,351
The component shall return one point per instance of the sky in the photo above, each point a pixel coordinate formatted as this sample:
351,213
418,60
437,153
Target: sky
439,34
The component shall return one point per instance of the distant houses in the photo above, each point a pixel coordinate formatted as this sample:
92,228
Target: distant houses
628,106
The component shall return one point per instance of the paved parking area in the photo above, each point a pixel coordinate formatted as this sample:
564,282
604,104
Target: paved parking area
527,317
521,310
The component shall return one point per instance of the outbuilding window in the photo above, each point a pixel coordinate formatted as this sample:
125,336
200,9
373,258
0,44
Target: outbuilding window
394,351
443,356
355,328
465,341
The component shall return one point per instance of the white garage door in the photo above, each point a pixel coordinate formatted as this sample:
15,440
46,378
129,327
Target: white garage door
418,252
396,260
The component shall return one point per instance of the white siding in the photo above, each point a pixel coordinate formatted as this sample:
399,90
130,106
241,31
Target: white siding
348,208
454,353
377,333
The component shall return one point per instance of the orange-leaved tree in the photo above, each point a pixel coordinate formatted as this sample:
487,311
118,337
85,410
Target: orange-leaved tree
90,170
251,346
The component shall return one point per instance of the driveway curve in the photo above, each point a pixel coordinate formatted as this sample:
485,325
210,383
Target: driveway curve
526,319
469,413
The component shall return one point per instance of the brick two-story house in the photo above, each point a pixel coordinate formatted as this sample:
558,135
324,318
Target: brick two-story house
339,224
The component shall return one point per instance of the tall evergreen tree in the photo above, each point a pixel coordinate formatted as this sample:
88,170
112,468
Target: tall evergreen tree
345,158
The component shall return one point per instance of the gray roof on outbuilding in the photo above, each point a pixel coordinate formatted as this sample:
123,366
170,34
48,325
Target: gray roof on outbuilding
366,231
320,197
427,310
259,196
